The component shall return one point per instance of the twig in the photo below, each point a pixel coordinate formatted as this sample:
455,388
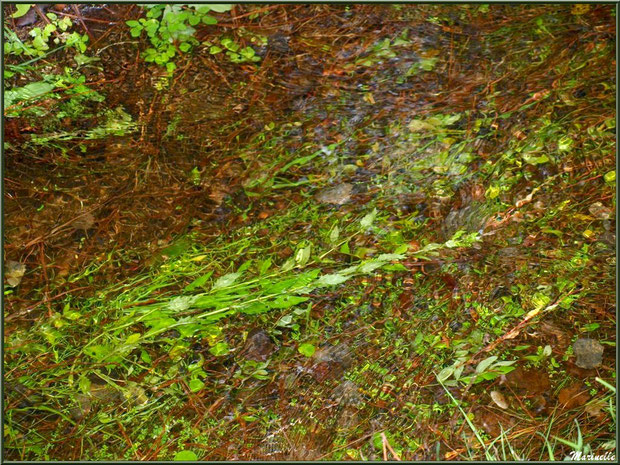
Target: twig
384,440
386,443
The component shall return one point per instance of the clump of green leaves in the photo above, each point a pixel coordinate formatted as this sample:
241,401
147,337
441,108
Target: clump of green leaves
116,122
383,49
488,369
69,92
170,29
71,84
254,288
56,31
234,51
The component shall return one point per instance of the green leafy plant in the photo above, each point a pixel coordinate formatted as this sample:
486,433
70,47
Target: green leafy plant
541,354
55,96
171,29
55,31
235,52
488,369
383,49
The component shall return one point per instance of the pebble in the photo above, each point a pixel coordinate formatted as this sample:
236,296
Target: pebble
331,362
471,218
499,399
278,43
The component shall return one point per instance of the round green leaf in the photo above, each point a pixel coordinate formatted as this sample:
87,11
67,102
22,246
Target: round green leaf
220,7
209,19
221,348
196,385
22,9
610,177
445,373
185,455
306,349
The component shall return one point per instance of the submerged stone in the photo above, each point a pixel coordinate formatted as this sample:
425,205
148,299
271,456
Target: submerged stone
331,362
471,218
337,195
347,393
258,346
14,271
600,212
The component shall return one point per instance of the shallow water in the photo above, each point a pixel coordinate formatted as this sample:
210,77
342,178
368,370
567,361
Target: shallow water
372,106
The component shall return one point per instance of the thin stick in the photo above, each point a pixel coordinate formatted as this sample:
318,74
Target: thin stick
386,443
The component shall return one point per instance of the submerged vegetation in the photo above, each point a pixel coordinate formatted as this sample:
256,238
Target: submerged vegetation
309,232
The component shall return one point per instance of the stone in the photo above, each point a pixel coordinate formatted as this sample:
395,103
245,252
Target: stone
337,195
499,399
347,393
258,346
589,353
331,362
14,272
599,211
471,218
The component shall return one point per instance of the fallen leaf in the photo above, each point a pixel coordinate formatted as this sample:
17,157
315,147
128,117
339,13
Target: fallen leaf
530,381
578,372
595,408
539,404
492,422
84,222
573,396
548,328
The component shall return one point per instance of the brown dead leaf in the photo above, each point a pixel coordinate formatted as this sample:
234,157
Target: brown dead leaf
595,408
562,340
66,262
414,246
406,299
84,221
528,381
540,95
539,404
529,241
492,422
285,252
573,396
